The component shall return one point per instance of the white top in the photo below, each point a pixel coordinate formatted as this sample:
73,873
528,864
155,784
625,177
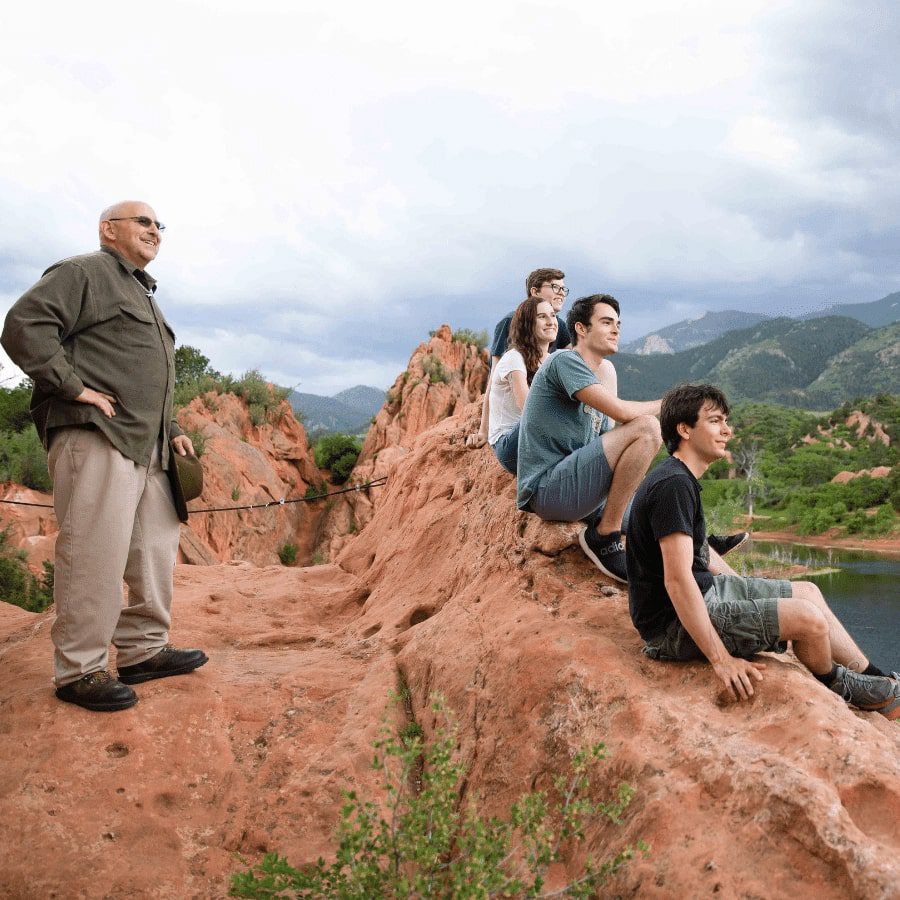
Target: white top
504,413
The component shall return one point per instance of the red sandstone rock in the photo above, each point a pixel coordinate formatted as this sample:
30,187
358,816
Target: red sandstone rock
451,588
245,464
242,464
876,472
417,400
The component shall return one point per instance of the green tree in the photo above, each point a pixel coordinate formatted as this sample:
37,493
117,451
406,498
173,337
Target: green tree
191,365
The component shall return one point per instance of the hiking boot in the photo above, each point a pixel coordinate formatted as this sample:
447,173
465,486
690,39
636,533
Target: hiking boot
725,543
606,552
169,661
872,693
98,691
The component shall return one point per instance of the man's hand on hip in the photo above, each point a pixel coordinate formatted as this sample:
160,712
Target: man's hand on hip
103,402
183,445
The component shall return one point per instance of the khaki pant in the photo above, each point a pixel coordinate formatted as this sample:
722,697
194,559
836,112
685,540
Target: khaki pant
116,520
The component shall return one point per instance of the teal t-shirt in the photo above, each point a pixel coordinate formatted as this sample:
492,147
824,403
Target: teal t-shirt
554,424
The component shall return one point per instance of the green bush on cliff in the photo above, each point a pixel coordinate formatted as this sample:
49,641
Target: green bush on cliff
339,453
418,842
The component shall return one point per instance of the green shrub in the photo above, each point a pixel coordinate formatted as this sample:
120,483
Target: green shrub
15,407
288,554
332,447
478,339
435,370
312,491
17,585
198,440
426,846
343,466
235,494
24,460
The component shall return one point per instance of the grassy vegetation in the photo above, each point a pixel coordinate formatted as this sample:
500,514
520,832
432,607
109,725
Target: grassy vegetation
194,378
478,339
789,477
17,585
419,841
435,370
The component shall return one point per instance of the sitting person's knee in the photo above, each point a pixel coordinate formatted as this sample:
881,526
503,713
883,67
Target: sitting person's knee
812,620
649,430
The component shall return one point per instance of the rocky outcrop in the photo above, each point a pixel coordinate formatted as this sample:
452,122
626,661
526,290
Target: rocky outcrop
243,463
442,377
247,463
876,472
452,590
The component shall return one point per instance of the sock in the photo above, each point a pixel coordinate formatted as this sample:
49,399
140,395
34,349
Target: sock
872,669
828,678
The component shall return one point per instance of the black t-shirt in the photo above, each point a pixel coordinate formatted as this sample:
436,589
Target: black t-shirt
501,336
668,501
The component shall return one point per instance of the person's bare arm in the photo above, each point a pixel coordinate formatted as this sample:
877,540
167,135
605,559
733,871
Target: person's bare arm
736,674
479,438
600,397
519,385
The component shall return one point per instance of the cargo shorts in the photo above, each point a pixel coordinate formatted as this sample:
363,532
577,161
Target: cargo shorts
744,612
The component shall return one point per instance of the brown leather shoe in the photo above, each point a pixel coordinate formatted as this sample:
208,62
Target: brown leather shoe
169,661
98,691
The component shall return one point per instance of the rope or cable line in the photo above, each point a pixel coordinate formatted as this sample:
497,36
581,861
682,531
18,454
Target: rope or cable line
378,482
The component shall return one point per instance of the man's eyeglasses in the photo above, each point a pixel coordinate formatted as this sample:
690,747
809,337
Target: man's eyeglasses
143,221
559,289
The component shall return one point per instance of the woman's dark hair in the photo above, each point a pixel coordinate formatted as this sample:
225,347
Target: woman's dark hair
583,311
521,334
683,403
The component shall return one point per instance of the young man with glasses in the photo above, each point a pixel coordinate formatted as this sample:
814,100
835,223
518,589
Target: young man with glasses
102,358
686,607
544,284
574,462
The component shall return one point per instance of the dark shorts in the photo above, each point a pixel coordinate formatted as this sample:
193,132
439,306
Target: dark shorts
744,612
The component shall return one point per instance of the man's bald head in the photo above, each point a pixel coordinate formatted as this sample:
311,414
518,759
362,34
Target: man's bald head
129,227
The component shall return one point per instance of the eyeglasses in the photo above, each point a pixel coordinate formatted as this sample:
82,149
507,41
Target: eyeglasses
559,289
143,221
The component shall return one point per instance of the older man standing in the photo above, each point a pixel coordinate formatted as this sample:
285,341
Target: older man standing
101,356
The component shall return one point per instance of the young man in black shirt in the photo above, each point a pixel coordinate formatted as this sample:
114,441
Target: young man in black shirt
685,611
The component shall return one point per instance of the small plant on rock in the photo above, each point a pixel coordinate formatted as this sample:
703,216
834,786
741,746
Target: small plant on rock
425,846
288,554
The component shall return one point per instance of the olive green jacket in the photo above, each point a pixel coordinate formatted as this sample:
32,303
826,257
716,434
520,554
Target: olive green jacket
91,322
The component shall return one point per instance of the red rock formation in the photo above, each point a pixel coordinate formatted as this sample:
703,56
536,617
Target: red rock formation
877,472
450,587
245,464
442,377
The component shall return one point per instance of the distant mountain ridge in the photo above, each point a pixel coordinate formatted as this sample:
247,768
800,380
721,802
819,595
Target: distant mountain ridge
814,363
711,325
876,314
349,411
692,332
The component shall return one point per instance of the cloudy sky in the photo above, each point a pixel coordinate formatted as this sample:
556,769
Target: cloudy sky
340,178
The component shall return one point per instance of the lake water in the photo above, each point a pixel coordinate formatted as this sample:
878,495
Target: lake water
864,594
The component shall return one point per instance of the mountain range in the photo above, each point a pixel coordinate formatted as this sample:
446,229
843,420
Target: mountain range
694,332
349,411
815,363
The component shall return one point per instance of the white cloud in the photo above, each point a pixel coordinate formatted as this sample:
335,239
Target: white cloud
352,175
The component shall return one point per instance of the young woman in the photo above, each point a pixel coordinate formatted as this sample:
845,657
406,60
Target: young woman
532,330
